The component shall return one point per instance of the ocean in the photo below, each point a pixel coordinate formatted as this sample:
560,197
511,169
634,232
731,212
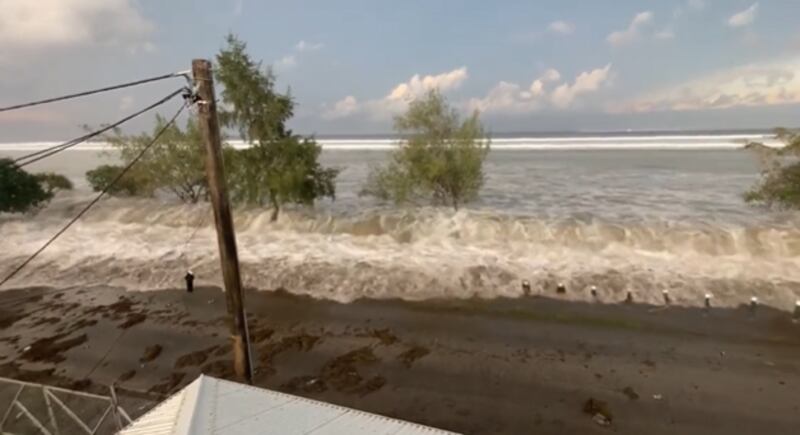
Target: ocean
639,212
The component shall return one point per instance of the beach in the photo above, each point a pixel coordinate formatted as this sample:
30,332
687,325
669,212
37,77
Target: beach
524,365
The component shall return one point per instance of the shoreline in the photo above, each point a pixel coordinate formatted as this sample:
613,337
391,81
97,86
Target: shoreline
468,365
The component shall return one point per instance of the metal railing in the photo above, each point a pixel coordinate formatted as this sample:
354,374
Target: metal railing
54,411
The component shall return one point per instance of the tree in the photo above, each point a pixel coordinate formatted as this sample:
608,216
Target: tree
19,190
779,186
133,183
174,164
439,160
279,167
52,182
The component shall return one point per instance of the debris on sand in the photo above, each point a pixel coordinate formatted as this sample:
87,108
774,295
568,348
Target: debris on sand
126,376
373,384
601,420
194,358
169,384
80,385
341,373
302,342
46,321
151,353
632,395
8,319
82,323
306,384
50,349
411,355
385,336
599,411
133,319
260,334
219,369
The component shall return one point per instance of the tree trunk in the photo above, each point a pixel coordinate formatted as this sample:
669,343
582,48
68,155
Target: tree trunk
276,208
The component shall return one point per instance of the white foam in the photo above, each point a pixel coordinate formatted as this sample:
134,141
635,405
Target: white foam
679,142
141,244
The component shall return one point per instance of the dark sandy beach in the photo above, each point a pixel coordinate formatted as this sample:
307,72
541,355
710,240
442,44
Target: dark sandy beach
514,366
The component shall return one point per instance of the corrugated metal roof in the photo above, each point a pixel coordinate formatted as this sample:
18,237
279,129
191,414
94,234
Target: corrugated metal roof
215,406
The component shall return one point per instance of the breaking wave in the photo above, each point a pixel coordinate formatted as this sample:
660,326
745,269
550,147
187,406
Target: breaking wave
429,253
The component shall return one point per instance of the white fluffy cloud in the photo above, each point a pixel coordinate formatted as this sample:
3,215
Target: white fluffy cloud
28,26
763,84
633,32
586,82
292,59
418,85
506,97
561,27
286,62
307,46
398,97
745,17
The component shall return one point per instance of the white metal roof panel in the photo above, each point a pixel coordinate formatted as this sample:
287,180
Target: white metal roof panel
214,406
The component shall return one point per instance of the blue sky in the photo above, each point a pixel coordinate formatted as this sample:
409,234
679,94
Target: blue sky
351,65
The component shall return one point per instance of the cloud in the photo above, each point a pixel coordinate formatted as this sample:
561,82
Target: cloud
35,26
286,62
763,84
418,86
507,97
291,60
342,108
307,46
586,82
399,96
237,7
745,17
633,32
561,27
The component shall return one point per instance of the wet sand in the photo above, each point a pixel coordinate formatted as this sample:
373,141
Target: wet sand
534,365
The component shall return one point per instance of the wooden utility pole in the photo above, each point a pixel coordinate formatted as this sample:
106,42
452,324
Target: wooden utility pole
209,129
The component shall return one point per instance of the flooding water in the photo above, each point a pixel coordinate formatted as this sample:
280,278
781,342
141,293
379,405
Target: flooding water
638,215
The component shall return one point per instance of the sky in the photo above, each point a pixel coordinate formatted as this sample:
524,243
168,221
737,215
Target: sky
526,66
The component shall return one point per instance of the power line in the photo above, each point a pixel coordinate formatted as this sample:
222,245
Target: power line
95,91
97,198
47,152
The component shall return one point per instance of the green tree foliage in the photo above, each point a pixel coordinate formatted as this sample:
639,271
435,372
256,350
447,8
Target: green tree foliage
175,164
779,186
19,190
52,182
131,184
440,158
279,167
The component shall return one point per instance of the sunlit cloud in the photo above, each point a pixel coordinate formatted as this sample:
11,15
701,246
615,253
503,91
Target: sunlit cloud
633,32
398,97
745,17
763,84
